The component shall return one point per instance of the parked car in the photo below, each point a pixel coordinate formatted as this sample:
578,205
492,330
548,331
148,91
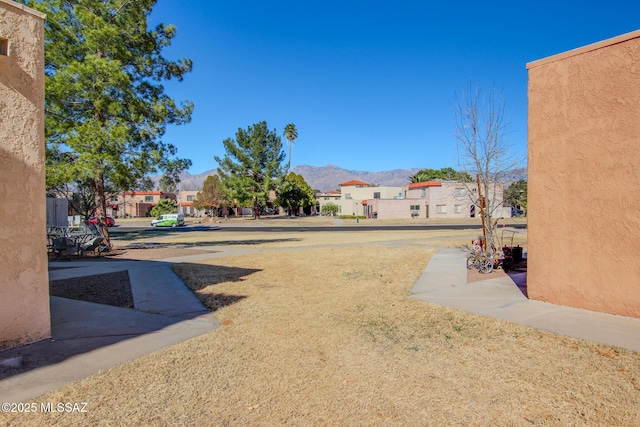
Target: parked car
515,212
168,220
110,221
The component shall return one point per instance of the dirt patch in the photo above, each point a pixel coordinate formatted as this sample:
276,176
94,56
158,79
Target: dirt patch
110,289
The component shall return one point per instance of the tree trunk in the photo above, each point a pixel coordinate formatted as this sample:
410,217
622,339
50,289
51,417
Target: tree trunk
101,207
256,208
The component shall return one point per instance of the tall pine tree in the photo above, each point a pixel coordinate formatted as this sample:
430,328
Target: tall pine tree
252,165
105,107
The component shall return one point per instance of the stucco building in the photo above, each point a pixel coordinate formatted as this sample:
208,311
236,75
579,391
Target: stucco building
24,283
135,203
433,199
185,203
584,177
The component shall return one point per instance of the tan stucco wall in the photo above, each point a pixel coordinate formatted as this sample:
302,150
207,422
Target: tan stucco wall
24,286
584,177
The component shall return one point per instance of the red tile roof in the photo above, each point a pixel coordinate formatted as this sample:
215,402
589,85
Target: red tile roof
144,193
354,182
425,184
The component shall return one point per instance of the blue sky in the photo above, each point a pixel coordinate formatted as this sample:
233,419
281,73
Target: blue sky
370,85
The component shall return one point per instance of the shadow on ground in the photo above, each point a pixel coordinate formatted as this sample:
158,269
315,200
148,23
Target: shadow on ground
252,242
80,326
201,279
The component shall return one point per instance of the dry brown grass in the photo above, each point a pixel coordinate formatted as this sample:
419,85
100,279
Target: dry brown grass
327,336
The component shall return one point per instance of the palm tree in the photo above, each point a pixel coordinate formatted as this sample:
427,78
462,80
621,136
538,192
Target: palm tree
291,133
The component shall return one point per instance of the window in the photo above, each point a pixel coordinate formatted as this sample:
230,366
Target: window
441,209
460,192
191,199
414,207
424,192
4,47
347,196
327,198
457,209
148,198
376,195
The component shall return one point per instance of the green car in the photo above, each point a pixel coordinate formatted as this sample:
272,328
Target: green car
168,220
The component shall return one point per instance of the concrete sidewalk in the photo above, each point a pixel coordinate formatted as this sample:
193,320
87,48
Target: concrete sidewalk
88,338
444,282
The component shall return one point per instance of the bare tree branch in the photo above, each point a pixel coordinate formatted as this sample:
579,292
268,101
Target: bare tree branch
483,150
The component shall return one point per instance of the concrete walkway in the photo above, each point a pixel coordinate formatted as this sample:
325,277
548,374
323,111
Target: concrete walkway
88,337
444,282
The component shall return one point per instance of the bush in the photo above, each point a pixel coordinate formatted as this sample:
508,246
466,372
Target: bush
330,209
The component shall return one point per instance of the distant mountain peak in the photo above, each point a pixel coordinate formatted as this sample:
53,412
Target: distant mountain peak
325,178
328,177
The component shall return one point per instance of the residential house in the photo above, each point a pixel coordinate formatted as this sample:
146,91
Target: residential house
355,195
24,286
326,198
584,177
433,199
136,203
185,203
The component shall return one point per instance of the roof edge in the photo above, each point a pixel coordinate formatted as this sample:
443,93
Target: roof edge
424,184
27,9
354,182
584,49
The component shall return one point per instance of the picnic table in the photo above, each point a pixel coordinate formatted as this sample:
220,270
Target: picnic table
67,241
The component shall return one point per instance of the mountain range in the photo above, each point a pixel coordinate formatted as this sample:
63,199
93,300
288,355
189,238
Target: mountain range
322,178
325,178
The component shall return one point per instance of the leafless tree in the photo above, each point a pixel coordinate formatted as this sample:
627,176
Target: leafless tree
484,151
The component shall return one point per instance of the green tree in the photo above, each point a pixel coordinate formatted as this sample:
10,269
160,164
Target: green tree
516,194
212,197
105,106
330,209
291,133
164,206
166,184
444,174
252,165
295,193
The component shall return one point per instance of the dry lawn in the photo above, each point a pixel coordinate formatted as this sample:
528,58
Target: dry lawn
327,336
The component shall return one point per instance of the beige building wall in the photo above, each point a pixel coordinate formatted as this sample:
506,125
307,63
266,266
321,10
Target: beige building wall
136,203
187,197
447,199
24,283
329,197
395,209
352,196
584,177
445,202
451,200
